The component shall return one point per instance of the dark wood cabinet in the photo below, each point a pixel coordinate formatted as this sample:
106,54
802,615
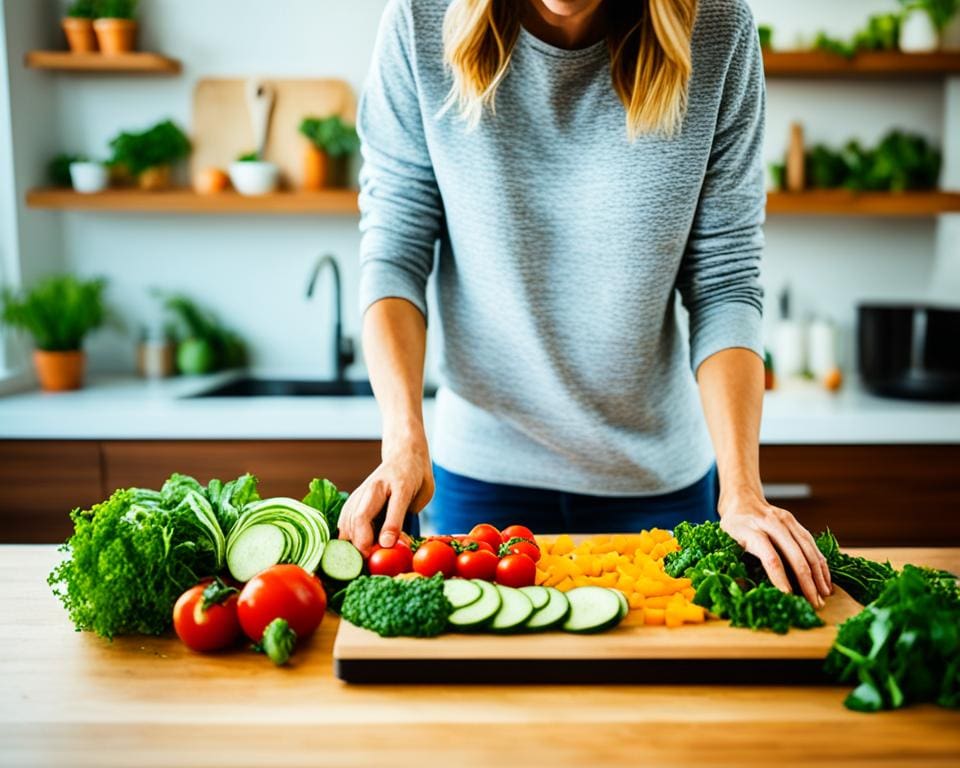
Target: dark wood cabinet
886,495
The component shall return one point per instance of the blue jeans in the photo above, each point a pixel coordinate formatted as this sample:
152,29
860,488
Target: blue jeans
461,502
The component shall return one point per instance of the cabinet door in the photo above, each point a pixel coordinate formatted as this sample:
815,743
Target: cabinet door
884,495
284,467
40,482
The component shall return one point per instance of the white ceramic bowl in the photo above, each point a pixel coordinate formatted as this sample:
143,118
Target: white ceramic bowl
89,178
254,178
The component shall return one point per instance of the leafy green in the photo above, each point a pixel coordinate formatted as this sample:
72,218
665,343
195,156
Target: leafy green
881,33
861,578
228,499
163,144
58,312
397,607
249,157
904,647
331,134
941,12
115,9
325,496
194,324
82,9
765,33
730,583
58,170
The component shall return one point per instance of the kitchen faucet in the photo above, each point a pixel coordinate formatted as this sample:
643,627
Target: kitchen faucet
343,352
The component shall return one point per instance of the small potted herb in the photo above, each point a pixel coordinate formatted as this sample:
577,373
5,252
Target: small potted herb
148,156
78,26
330,143
57,313
253,176
116,26
924,22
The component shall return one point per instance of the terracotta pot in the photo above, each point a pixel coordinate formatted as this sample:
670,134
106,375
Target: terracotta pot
154,179
116,36
316,167
59,371
80,35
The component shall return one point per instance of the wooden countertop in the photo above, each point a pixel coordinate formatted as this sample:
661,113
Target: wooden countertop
70,699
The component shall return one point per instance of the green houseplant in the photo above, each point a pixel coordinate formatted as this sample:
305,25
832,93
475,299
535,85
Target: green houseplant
58,313
330,143
78,26
116,26
941,12
148,156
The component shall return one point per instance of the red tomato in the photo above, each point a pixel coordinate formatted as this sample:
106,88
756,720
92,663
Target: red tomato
516,532
466,541
486,532
443,539
206,628
390,561
525,547
281,592
516,571
478,564
435,557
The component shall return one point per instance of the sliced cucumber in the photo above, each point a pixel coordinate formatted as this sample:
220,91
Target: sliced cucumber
514,611
341,560
260,547
592,609
552,614
538,596
624,603
461,592
479,613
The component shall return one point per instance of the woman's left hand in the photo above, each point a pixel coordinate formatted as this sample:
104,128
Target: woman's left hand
774,535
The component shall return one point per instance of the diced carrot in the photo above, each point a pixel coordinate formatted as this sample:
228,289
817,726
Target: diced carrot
633,619
694,614
565,585
636,600
654,616
563,545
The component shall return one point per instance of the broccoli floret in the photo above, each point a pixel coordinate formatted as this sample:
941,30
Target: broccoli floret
397,607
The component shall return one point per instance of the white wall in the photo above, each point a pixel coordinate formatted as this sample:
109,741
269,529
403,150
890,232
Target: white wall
253,270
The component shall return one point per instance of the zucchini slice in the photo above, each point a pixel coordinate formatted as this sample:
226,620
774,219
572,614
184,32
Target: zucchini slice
592,609
479,613
461,592
552,614
538,596
516,608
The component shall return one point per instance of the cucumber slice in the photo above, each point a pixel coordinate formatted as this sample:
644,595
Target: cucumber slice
552,614
461,592
624,604
341,560
260,547
538,596
514,611
592,609
479,613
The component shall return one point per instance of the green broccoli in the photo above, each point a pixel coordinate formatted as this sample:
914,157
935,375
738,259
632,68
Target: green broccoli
397,607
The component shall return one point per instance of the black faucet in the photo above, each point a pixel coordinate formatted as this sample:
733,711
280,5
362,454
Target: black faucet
343,353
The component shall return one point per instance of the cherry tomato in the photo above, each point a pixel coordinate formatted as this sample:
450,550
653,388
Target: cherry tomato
435,557
516,532
466,541
524,547
486,532
207,624
516,571
390,561
281,592
478,564
442,539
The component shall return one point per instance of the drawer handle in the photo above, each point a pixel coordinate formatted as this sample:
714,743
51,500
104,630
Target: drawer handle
787,491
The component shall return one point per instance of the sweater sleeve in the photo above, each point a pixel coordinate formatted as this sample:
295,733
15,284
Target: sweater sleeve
400,206
719,277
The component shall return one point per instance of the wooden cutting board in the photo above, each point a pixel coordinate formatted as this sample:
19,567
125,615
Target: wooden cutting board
223,128
709,652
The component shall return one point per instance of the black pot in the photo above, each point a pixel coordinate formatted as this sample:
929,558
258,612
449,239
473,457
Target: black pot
910,351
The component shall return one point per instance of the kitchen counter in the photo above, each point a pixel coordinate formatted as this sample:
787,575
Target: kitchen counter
127,408
70,699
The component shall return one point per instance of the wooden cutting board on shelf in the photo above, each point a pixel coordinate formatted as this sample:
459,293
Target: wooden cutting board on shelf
223,127
709,652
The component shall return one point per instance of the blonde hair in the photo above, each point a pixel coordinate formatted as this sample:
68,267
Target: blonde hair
648,41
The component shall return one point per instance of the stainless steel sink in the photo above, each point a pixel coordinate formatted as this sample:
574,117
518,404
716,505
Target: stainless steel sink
253,387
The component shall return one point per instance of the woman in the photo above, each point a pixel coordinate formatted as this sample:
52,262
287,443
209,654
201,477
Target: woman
582,163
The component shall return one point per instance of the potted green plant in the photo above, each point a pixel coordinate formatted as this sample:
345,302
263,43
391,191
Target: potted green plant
147,157
923,23
115,26
57,312
251,175
78,26
330,143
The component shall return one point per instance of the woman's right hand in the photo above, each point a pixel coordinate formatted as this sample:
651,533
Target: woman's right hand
403,482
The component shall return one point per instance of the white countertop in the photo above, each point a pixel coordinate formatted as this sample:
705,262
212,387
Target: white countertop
129,408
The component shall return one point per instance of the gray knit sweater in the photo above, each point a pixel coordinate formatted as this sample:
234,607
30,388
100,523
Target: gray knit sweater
567,360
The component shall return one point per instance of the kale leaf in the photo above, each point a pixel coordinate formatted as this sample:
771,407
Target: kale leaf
323,495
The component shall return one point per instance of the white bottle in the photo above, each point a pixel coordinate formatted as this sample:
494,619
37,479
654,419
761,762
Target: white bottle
789,348
821,348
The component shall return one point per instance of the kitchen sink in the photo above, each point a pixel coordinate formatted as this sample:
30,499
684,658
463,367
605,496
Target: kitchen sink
252,387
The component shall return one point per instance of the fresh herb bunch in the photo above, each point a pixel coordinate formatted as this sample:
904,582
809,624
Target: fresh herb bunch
941,12
904,647
861,578
163,144
58,169
731,584
881,33
397,607
115,9
82,9
331,134
57,312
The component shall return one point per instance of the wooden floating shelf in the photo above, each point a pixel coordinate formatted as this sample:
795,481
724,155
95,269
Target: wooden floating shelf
841,202
136,63
332,202
868,65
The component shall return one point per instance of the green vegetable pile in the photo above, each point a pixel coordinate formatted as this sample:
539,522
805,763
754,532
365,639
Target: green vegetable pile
394,607
731,584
